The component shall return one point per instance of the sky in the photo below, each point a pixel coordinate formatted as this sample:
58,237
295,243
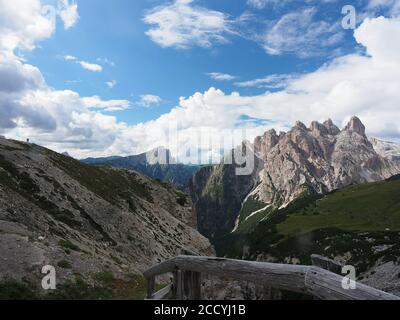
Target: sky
100,78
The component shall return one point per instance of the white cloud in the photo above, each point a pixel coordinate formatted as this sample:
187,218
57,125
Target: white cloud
148,100
91,66
108,106
357,84
274,81
84,64
68,11
70,58
29,107
258,4
182,24
111,84
218,76
354,84
22,24
392,7
299,33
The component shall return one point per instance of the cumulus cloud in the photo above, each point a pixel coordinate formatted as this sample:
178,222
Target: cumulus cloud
357,84
363,84
23,24
218,76
182,24
148,100
28,106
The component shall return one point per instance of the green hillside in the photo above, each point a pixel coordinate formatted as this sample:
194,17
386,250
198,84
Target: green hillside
362,221
369,207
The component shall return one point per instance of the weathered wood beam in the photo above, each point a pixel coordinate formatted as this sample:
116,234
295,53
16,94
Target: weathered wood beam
281,276
326,263
328,286
303,279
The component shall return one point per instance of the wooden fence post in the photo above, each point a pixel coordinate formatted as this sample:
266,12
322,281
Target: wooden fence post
151,285
177,290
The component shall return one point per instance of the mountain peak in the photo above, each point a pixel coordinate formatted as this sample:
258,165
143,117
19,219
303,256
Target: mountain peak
331,127
318,128
355,125
300,125
159,155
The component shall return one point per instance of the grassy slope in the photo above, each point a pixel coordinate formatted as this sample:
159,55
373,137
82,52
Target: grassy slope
340,222
370,207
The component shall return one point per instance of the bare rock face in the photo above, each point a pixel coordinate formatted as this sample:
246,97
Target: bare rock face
320,159
84,219
387,149
218,194
313,160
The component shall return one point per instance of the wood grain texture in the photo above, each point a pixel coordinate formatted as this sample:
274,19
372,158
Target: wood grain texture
312,280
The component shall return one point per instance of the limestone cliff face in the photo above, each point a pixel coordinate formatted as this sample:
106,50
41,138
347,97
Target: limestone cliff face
320,159
218,193
317,159
84,219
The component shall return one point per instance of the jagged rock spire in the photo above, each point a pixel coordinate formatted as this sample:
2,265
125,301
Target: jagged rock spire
355,125
331,127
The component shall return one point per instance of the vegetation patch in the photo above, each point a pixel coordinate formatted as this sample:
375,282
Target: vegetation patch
68,245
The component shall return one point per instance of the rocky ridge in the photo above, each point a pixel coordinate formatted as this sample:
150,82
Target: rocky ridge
85,220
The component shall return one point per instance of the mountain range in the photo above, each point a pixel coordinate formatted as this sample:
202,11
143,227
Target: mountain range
303,161
147,164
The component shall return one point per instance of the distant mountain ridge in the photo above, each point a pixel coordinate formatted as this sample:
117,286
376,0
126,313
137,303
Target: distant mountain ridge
147,164
302,161
387,149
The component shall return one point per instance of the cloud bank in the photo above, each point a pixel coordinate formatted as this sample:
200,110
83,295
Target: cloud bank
364,84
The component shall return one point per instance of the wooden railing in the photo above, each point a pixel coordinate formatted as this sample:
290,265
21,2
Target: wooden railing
309,280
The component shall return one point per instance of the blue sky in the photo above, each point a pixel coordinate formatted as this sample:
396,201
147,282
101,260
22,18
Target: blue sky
99,78
116,31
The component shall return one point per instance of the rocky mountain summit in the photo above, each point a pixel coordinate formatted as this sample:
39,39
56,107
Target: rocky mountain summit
303,161
85,220
318,159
